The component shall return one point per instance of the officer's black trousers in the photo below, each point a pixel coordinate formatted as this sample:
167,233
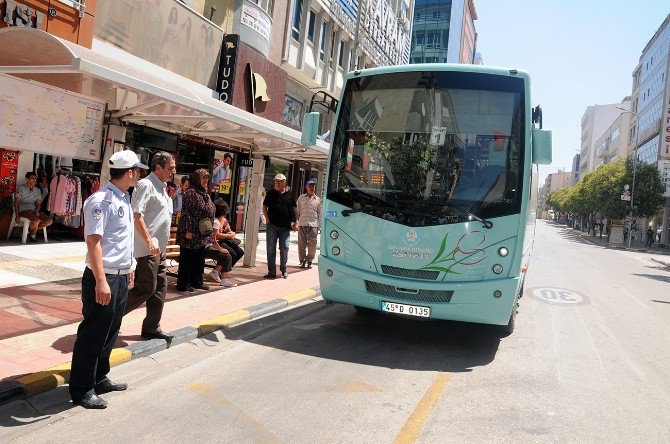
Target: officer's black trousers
96,334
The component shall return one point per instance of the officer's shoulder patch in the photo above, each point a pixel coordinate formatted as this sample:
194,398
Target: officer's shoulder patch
96,211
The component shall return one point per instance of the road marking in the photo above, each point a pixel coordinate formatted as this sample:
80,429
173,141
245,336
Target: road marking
558,296
417,420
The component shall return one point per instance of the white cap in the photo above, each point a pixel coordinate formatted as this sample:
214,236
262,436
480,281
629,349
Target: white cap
280,176
125,159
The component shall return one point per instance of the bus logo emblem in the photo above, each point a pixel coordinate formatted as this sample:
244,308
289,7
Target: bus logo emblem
411,237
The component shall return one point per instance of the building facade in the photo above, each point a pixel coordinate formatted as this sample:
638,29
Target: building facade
613,142
575,169
443,31
595,120
649,135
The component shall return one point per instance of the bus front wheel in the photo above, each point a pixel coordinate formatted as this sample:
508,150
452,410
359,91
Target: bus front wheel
508,329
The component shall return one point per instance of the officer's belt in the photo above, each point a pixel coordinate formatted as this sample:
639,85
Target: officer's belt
113,270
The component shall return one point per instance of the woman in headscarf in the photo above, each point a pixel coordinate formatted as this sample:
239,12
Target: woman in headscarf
192,234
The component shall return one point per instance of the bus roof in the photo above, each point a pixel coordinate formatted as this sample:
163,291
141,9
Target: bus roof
439,67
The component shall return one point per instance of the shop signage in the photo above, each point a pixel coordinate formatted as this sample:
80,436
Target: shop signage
227,63
665,135
9,164
257,20
383,27
664,170
16,14
247,162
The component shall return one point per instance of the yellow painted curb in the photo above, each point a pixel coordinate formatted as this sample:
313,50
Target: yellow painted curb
53,377
300,296
221,322
48,379
119,356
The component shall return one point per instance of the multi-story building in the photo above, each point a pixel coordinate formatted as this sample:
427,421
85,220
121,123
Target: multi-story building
613,142
650,112
595,121
443,31
575,169
324,39
558,180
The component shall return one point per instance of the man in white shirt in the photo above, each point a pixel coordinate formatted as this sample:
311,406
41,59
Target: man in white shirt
152,210
309,219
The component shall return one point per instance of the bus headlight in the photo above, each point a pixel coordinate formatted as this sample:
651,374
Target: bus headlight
503,251
335,250
334,234
497,268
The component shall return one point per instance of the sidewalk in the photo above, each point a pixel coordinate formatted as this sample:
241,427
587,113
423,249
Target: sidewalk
655,249
40,306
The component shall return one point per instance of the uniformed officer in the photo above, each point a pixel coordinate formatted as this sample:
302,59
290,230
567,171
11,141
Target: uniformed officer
109,232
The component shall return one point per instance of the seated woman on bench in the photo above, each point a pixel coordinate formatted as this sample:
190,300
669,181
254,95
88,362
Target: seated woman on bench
224,260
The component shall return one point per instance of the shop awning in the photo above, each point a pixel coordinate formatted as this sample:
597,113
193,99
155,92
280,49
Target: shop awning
165,100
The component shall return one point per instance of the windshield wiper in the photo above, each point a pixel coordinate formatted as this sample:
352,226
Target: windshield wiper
366,208
487,223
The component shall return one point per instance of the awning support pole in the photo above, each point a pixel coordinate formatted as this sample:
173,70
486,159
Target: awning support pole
254,211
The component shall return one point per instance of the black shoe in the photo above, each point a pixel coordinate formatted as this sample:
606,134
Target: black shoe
91,401
302,264
158,335
188,289
201,287
270,276
284,275
309,265
106,386
32,238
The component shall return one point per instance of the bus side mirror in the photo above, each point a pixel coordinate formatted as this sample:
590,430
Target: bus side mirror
541,143
310,129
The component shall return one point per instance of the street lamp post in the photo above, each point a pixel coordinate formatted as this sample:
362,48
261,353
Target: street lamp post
632,188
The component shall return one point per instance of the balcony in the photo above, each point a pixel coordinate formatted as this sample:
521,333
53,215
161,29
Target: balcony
603,152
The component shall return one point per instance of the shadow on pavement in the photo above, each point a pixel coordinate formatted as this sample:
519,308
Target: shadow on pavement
656,277
37,409
338,332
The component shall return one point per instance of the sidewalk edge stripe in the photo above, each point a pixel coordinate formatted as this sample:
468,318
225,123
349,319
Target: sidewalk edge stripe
42,381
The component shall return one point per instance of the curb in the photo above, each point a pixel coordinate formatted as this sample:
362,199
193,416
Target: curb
40,382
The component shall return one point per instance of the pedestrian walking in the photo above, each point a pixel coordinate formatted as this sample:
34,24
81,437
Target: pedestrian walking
650,237
27,203
309,219
109,233
195,231
279,209
152,212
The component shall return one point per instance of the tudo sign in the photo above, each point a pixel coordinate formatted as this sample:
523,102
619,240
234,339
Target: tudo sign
227,64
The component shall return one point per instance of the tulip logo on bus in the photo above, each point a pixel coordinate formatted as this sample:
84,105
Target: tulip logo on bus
411,238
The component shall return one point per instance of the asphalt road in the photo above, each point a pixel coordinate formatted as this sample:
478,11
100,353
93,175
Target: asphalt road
588,362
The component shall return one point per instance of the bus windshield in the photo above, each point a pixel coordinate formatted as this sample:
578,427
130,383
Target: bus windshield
430,148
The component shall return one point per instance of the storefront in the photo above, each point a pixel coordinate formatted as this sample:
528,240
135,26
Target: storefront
134,91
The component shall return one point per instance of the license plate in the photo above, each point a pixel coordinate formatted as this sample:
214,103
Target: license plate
411,310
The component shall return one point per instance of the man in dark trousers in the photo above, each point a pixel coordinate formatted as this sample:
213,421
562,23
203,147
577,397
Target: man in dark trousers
108,231
279,209
152,211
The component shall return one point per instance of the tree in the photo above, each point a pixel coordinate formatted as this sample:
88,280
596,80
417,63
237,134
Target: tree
648,191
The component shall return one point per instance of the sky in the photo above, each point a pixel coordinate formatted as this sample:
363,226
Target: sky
578,53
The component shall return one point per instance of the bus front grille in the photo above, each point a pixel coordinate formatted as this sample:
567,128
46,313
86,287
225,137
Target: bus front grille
429,275
414,295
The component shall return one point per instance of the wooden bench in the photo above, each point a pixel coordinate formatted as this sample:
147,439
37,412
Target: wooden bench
172,254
